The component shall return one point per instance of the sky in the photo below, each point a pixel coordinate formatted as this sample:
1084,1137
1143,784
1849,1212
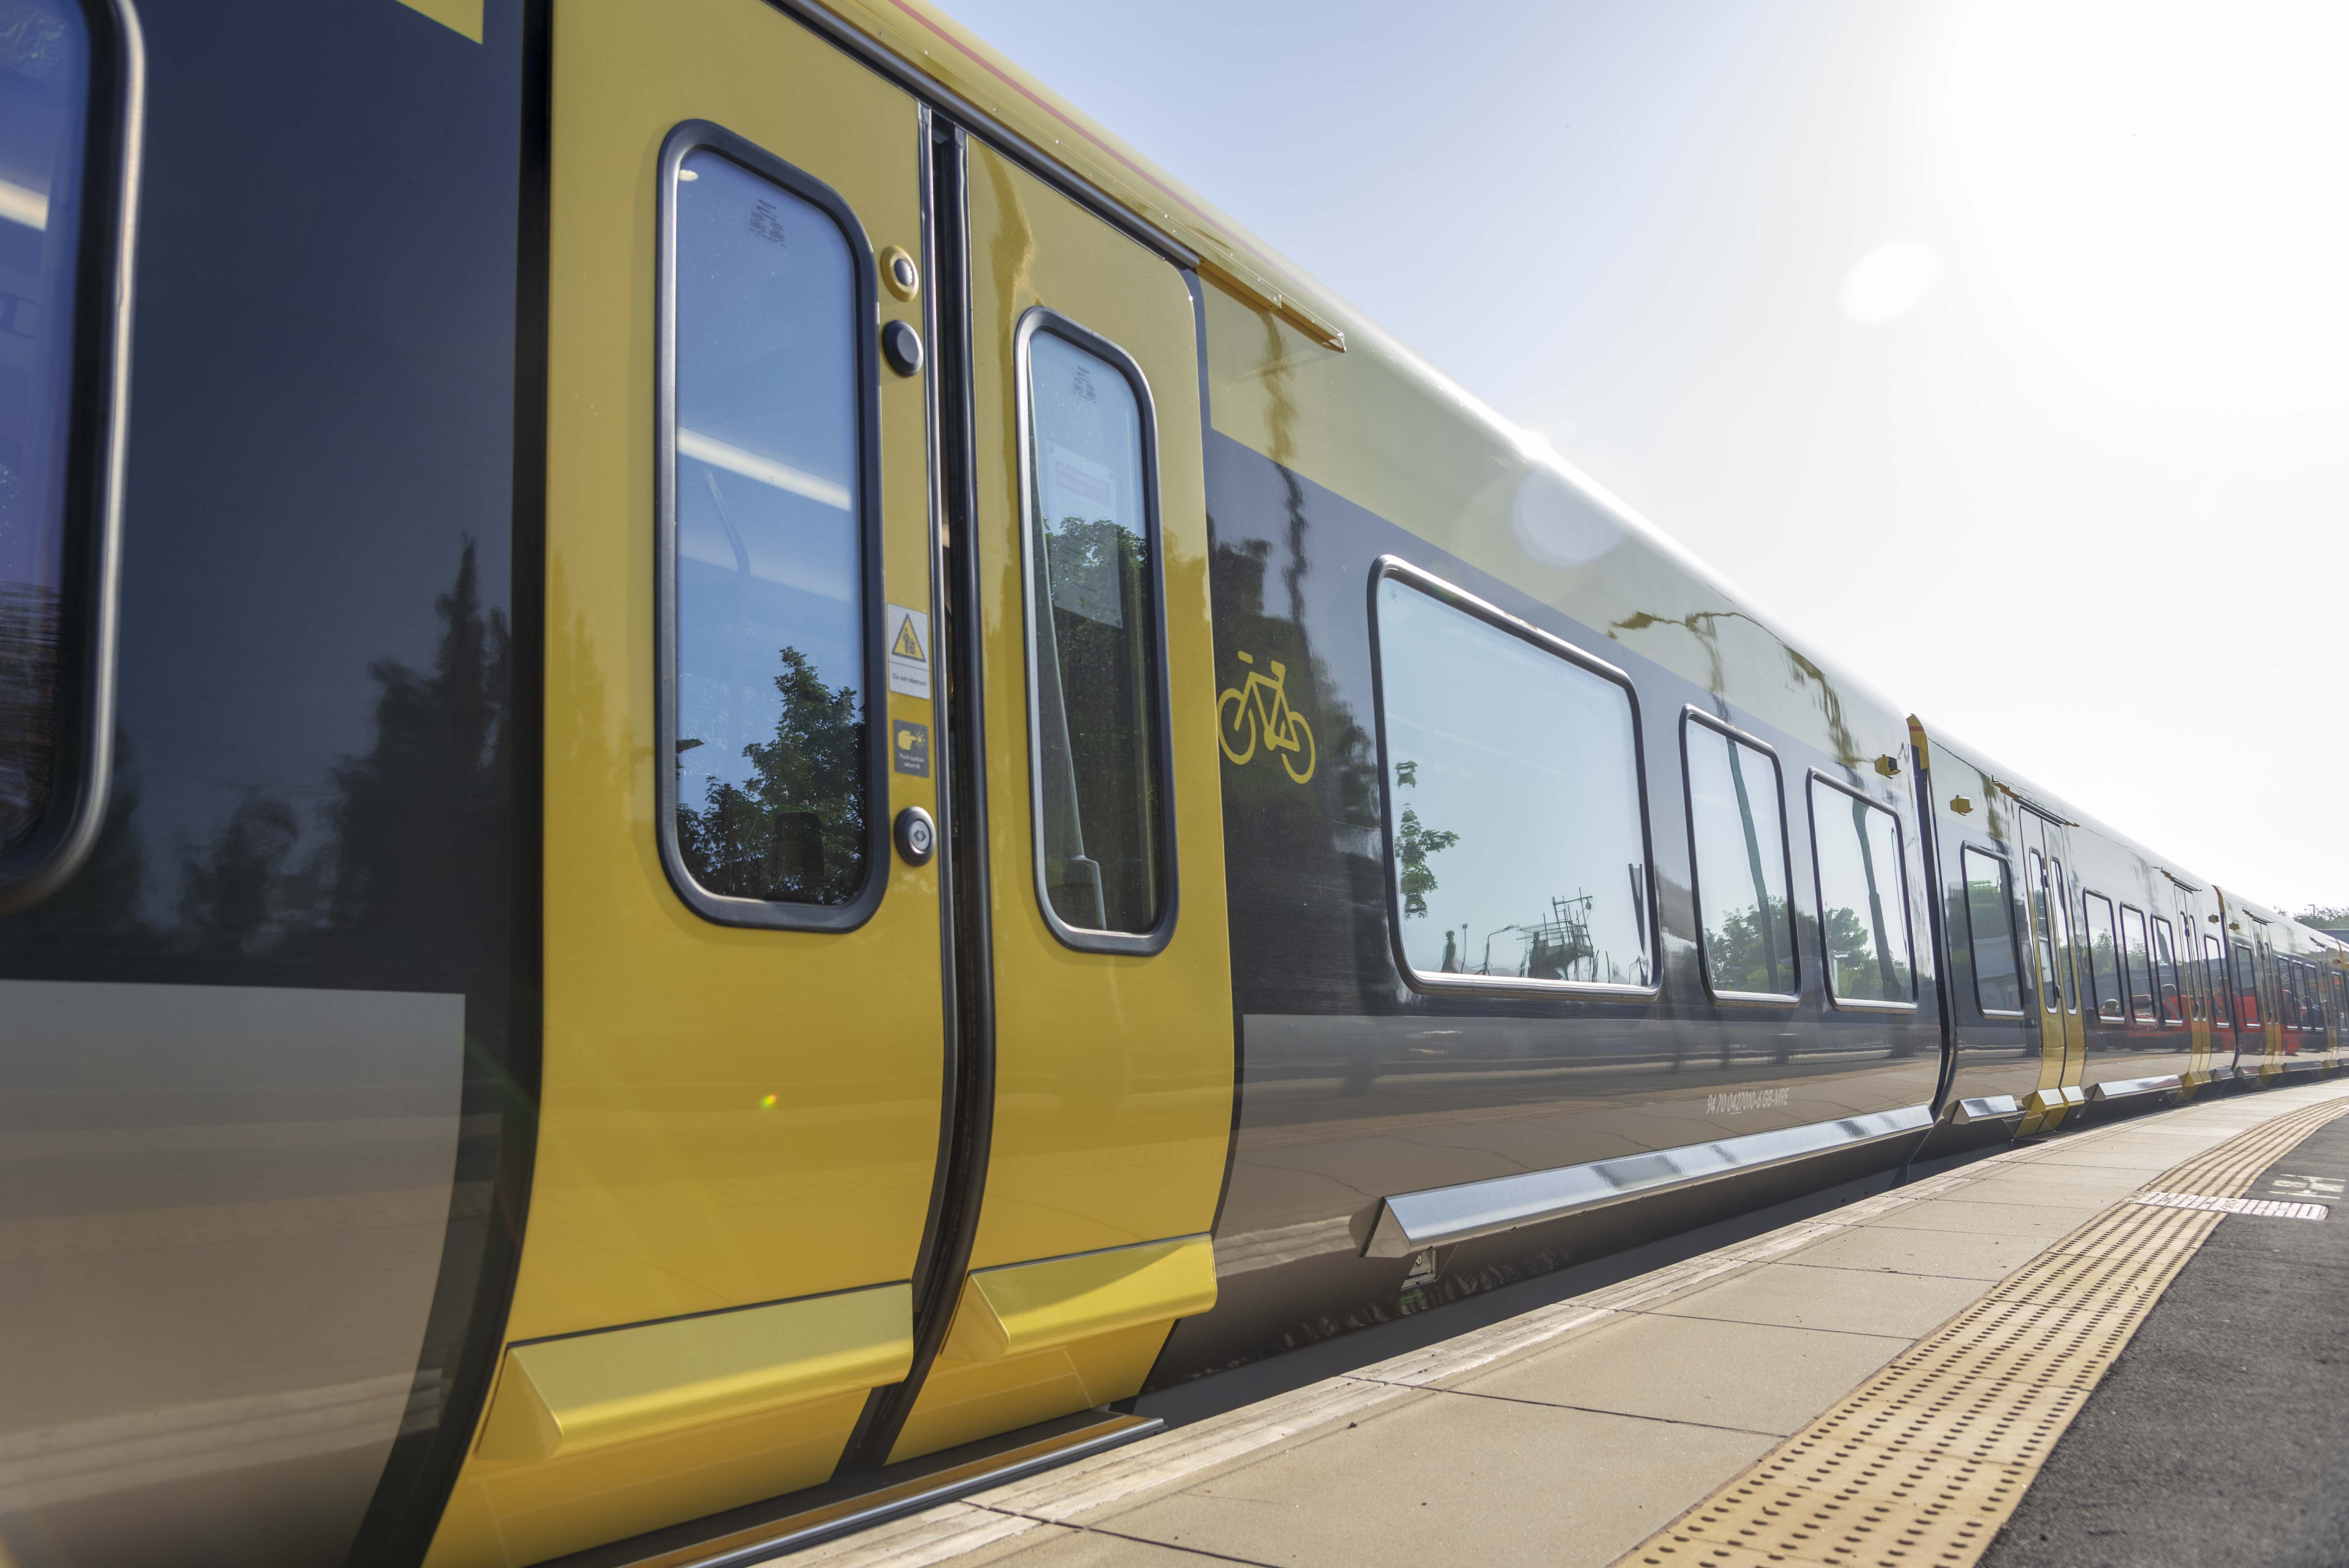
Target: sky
1999,351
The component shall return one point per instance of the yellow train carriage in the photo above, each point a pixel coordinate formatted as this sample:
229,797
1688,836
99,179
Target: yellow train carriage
742,781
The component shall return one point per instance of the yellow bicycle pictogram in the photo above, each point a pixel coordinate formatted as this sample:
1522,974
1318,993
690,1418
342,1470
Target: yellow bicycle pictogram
1260,711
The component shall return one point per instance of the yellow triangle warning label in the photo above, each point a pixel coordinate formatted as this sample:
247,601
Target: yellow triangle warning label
909,644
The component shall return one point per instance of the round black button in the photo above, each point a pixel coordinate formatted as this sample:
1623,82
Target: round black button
901,346
917,836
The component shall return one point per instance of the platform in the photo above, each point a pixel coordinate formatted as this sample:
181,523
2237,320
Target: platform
1921,1369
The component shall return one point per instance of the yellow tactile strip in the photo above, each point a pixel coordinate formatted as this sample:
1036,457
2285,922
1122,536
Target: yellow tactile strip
1923,1462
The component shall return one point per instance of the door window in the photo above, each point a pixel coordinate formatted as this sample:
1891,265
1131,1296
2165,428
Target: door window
2051,984
1737,823
2136,967
1989,921
1097,681
1863,900
2247,986
1516,832
2214,981
769,577
2170,1004
2104,958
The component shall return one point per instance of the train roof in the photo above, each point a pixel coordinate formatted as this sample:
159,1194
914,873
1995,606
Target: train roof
1301,376
1386,430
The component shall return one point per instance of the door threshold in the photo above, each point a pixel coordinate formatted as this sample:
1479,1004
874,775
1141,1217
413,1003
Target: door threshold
760,1531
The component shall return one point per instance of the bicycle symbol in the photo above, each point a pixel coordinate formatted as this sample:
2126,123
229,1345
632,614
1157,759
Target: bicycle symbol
1244,715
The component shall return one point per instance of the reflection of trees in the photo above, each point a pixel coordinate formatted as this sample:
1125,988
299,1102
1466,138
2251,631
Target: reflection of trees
414,816
1100,755
797,830
229,892
29,671
1307,863
1744,949
1864,971
1414,841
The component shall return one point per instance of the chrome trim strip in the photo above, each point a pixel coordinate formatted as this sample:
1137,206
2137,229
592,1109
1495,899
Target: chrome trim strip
1986,1108
1410,1222
2123,1089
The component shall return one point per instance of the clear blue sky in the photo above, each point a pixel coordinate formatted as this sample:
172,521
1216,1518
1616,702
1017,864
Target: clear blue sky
1996,349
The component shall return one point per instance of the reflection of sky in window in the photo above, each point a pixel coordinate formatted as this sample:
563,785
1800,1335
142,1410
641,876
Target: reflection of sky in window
1735,843
1528,759
1860,856
1088,464
766,475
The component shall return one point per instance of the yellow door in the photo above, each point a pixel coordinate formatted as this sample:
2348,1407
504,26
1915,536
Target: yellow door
1084,606
2063,1034
744,1019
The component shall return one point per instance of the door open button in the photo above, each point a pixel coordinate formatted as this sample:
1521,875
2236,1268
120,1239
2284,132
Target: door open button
917,836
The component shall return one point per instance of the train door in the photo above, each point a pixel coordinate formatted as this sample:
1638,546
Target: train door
1079,621
745,1031
2261,963
2063,1034
2194,1005
2237,961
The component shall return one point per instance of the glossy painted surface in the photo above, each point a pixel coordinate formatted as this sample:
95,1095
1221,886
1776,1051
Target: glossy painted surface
1357,1084
730,1116
257,1058
1113,1071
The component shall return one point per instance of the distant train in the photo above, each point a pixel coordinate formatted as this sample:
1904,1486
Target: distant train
738,777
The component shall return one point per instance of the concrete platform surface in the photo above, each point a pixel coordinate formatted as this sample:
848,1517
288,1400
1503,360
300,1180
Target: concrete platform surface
1568,1434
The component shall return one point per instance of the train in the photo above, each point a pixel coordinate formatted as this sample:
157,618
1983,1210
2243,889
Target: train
742,780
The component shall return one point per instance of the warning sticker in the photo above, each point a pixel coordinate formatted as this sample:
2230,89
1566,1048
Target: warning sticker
909,652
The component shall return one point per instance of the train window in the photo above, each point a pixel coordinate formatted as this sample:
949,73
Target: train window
2104,957
768,626
1863,898
1990,921
66,86
2169,1003
2214,981
2136,967
1516,838
1097,682
40,180
1737,823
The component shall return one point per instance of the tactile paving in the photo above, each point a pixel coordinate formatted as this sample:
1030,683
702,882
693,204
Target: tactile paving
1923,1462
2266,1208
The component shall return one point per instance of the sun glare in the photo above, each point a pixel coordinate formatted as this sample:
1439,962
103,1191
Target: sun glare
2158,189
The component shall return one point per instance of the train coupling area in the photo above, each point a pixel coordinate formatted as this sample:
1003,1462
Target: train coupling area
2060,1353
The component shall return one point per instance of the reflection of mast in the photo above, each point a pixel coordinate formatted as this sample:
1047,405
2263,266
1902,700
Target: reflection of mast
1559,947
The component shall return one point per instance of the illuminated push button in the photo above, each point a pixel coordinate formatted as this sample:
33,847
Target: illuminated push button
917,836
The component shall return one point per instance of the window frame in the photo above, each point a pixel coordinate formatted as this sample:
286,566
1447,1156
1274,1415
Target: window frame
1693,715
1973,941
1460,599
90,507
1820,891
688,137
1043,318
